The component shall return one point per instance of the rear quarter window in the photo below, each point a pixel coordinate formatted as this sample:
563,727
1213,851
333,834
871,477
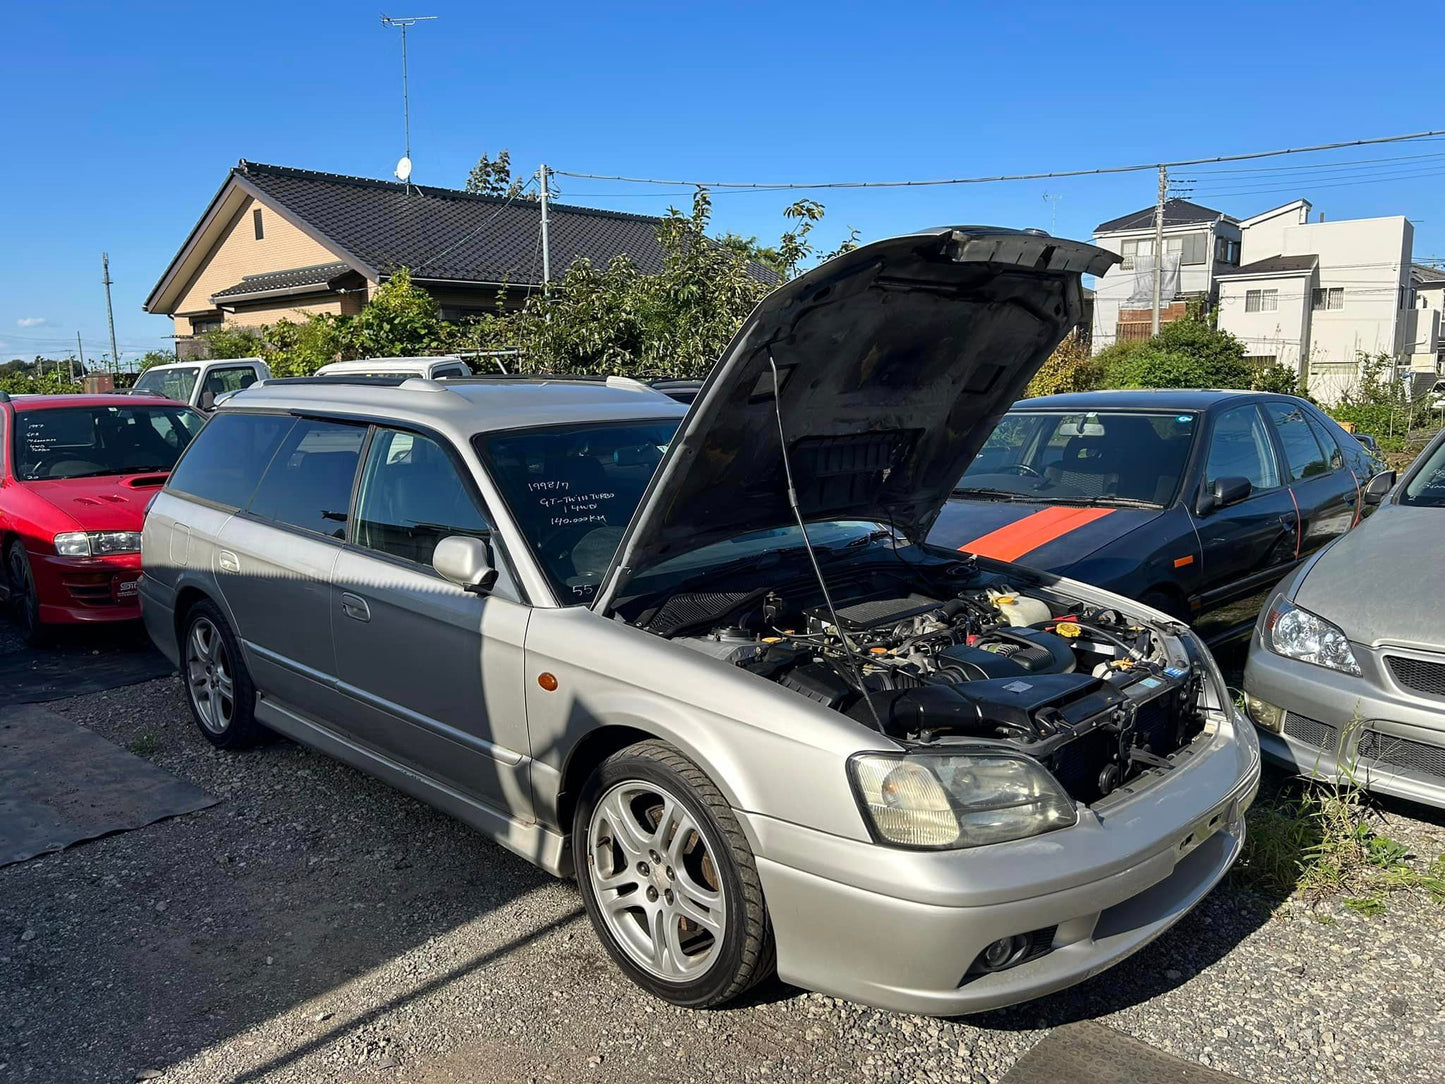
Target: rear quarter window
226,460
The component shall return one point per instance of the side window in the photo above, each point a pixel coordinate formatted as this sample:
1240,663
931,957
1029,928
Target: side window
308,483
1302,453
1240,448
1333,456
225,461
411,498
220,381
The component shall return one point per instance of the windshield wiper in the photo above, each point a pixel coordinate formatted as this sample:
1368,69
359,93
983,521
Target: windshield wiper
994,494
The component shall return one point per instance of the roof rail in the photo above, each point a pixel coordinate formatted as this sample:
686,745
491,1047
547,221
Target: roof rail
409,382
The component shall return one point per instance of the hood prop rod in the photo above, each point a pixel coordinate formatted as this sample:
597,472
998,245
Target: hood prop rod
853,663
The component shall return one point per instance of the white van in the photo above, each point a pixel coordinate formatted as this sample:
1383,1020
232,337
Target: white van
201,383
429,368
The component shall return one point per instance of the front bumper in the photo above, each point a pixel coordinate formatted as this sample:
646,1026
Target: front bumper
1368,730
900,929
87,590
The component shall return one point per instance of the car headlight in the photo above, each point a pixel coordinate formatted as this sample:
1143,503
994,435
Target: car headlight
102,542
73,544
1296,633
96,543
948,801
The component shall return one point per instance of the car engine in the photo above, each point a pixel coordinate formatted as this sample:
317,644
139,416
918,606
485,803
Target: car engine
1094,695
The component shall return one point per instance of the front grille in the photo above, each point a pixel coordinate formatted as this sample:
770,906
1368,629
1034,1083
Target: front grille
1311,731
1402,753
1417,674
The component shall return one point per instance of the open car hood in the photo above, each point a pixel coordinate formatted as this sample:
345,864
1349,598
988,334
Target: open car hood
894,361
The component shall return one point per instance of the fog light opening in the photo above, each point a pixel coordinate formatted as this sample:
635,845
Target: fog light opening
1003,953
1264,714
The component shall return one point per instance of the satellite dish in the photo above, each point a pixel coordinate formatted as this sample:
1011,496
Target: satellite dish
403,169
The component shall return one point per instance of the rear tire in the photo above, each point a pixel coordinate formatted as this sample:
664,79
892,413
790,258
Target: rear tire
668,879
218,686
24,596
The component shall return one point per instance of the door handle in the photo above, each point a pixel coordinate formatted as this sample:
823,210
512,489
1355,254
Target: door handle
355,606
228,561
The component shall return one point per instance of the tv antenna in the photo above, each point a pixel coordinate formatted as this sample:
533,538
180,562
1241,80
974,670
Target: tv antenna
1053,198
405,22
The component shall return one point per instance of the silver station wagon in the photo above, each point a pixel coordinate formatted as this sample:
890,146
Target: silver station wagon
702,660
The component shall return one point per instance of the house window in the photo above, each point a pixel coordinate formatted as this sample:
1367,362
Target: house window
1261,300
1191,248
1130,249
1226,250
1328,298
256,222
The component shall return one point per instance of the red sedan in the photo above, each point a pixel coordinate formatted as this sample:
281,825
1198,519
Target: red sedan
76,474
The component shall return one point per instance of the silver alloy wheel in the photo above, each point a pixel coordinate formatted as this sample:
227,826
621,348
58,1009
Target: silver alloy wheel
208,676
656,879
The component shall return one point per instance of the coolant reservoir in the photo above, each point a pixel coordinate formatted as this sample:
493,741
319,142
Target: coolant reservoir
1019,609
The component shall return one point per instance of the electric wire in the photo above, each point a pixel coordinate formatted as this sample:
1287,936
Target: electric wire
1051,175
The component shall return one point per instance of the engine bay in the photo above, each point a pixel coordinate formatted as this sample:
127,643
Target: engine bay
1096,696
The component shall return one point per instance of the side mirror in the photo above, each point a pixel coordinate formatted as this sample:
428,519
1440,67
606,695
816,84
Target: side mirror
208,400
1221,493
1378,487
466,561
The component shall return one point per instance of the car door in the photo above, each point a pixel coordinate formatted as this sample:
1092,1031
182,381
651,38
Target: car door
221,379
433,672
1244,548
274,562
1325,492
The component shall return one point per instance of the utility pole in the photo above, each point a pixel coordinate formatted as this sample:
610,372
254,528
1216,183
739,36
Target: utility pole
110,313
404,23
544,177
81,350
1159,247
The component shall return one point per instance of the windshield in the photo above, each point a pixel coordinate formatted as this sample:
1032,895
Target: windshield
1427,488
170,383
1098,457
573,489
81,442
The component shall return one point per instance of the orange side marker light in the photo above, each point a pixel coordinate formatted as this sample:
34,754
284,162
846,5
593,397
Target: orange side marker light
547,681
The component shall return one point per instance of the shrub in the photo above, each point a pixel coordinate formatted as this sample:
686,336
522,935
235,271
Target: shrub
1187,353
1069,368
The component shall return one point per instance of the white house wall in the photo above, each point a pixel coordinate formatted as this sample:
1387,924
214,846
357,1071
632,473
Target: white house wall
1283,334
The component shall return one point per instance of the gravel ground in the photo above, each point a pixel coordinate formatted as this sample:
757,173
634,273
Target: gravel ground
317,926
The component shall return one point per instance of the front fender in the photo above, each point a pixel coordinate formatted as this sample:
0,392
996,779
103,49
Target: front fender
768,750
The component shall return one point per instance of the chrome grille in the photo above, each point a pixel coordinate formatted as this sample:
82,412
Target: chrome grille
1402,753
1311,731
1417,674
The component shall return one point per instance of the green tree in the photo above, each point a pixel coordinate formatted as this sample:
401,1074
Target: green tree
400,320
159,357
750,249
231,341
493,177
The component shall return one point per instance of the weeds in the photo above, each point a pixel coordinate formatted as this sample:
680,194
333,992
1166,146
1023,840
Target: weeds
143,745
1323,842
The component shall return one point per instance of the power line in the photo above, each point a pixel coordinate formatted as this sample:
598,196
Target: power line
1138,168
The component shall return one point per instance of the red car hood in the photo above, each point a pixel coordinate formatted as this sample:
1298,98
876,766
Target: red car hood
114,502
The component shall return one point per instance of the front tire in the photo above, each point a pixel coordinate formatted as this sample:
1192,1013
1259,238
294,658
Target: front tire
218,686
668,879
24,596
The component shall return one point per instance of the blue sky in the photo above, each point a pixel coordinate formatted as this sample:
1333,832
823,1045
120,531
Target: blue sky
123,119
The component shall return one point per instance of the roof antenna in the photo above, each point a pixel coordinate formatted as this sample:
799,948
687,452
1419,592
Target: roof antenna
403,167
853,663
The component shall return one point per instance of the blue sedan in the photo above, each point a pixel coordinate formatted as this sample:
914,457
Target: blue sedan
1195,502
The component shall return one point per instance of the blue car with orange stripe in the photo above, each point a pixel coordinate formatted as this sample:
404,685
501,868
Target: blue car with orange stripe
1194,502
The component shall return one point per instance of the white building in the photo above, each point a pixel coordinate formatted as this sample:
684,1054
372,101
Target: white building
1315,296
1199,244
